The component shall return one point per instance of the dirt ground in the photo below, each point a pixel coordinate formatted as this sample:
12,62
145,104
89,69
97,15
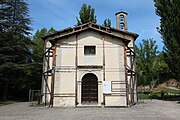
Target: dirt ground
149,110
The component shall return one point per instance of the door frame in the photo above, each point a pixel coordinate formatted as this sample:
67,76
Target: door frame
99,75
85,80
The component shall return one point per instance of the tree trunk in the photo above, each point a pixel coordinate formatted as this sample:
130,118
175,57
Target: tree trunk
5,93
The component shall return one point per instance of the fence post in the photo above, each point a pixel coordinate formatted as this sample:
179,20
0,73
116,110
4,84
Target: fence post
29,95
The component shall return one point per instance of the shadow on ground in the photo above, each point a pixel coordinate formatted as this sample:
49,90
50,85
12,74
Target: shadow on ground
172,98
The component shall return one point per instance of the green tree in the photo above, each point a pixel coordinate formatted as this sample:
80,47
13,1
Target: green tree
38,47
169,13
86,14
160,68
107,22
51,31
15,55
146,56
37,57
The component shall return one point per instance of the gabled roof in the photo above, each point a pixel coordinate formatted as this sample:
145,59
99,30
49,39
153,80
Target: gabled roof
87,26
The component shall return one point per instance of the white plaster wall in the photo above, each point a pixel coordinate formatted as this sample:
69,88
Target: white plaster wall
114,59
64,88
115,70
115,101
65,67
132,84
64,101
47,87
90,38
67,82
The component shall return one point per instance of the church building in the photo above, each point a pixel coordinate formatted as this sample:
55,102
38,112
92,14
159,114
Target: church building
90,65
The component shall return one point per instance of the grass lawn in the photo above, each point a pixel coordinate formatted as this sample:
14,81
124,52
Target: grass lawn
169,94
6,102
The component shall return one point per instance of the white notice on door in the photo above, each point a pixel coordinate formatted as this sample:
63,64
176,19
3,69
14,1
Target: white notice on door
106,87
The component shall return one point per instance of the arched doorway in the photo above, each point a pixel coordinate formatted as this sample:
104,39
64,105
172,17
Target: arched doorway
89,88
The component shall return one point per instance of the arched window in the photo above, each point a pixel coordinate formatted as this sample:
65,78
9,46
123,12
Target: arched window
121,18
122,26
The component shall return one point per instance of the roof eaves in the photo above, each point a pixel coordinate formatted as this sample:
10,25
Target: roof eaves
69,29
107,30
127,32
90,27
122,12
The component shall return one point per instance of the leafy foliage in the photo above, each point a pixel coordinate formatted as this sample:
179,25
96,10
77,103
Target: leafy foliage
38,47
107,22
169,13
86,14
37,57
150,65
15,56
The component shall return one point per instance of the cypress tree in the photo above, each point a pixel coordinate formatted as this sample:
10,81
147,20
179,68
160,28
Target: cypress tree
86,14
107,22
169,13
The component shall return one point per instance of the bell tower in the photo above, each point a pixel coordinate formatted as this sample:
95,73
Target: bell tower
121,20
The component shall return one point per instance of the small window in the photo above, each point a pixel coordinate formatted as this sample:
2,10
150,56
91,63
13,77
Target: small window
89,50
122,26
122,18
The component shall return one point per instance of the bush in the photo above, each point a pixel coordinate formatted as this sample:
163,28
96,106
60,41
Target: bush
38,97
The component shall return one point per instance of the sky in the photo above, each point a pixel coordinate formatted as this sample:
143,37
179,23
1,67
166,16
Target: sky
61,14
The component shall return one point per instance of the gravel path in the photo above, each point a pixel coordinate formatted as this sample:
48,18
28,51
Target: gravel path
149,110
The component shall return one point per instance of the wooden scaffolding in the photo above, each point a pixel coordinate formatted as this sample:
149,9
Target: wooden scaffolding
131,75
48,74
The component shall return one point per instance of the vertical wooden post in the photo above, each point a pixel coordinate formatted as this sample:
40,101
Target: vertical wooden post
103,64
126,77
46,77
53,75
43,70
136,77
30,95
76,63
131,76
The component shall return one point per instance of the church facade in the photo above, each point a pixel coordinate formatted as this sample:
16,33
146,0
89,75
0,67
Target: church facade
90,65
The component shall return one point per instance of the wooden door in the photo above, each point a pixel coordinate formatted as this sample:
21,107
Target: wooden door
89,88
